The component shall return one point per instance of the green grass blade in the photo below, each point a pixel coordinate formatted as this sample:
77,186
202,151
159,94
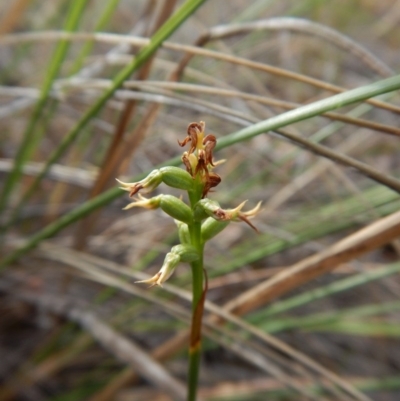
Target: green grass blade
329,319
328,290
30,139
101,23
361,328
312,110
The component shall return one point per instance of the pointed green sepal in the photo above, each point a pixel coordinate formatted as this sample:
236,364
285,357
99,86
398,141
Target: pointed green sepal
176,208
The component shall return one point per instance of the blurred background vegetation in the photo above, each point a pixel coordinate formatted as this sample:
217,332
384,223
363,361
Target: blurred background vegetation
310,306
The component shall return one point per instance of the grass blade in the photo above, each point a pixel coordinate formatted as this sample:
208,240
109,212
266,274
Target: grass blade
30,138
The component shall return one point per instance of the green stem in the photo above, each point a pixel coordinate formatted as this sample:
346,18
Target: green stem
195,332
198,300
197,266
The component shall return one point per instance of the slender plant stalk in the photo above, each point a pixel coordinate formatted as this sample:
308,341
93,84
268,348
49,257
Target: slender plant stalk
198,298
197,224
101,23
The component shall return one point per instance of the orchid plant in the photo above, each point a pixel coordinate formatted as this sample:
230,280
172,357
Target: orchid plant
197,223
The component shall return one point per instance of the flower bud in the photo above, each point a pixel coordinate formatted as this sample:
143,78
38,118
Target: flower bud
151,182
170,262
176,208
183,231
177,178
211,227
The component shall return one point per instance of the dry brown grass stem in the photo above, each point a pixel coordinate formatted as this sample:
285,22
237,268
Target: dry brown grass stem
193,88
191,50
303,26
365,240
153,87
12,17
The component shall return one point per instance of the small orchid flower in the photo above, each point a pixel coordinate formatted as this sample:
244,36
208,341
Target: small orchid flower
179,253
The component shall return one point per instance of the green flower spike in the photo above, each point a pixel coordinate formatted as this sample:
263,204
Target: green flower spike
198,221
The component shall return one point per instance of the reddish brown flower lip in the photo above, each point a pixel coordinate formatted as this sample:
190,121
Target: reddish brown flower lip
204,146
193,132
209,143
213,180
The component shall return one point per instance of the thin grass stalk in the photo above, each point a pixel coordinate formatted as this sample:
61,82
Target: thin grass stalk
30,138
173,23
311,110
101,23
322,292
290,117
317,321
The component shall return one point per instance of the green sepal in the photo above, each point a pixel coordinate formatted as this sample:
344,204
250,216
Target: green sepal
176,209
211,227
176,177
186,252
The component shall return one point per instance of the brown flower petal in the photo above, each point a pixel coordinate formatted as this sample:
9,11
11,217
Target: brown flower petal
209,143
194,130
